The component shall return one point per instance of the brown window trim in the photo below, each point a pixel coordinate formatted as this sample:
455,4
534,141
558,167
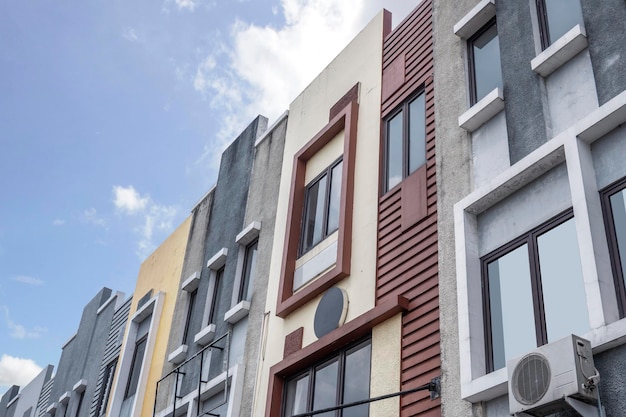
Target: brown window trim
529,238
609,225
288,301
356,329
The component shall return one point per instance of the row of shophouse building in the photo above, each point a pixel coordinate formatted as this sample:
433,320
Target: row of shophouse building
420,234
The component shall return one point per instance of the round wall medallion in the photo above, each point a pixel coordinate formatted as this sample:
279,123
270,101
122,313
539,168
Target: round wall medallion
331,311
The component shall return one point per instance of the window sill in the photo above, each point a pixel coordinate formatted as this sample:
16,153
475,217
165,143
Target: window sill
191,283
483,111
205,336
80,386
247,235
237,313
560,52
178,356
475,19
218,260
65,398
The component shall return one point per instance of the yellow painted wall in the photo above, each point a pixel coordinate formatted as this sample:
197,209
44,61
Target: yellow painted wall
161,271
360,62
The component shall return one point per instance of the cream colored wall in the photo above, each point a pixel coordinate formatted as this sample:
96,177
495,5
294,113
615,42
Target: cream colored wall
385,378
360,62
161,271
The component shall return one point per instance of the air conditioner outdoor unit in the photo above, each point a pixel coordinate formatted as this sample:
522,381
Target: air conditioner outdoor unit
547,379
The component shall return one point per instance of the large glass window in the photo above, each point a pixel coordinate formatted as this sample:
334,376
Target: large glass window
556,18
249,268
135,367
342,379
484,56
614,204
216,296
405,141
534,291
321,207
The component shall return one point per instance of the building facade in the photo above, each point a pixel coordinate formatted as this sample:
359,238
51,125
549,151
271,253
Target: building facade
531,99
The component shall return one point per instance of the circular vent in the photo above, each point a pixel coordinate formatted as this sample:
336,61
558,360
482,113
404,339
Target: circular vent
531,379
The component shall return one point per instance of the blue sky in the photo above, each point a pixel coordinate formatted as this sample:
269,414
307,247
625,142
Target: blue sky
113,114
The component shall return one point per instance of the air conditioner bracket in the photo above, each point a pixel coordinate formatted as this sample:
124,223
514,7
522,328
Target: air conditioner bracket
584,409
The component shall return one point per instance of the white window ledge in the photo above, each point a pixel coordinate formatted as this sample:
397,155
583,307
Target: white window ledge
560,52
483,111
475,19
247,235
178,356
65,397
13,400
205,336
237,313
191,283
606,118
52,408
80,386
218,260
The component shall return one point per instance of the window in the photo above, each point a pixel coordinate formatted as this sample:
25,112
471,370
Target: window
343,379
556,18
105,388
80,403
321,207
249,268
484,62
217,289
190,306
405,141
614,206
135,367
533,291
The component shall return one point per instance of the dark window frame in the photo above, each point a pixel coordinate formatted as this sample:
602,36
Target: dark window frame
219,275
105,387
609,225
339,357
544,28
191,302
530,239
406,131
327,172
129,382
247,271
471,59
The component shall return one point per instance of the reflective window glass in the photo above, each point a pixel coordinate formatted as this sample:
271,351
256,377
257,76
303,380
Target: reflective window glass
297,392
618,209
356,381
394,151
561,16
417,133
335,198
487,73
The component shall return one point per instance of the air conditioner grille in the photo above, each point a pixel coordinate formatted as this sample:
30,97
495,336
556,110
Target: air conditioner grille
531,379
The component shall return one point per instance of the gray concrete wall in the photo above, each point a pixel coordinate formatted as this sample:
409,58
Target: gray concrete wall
29,395
262,200
453,182
82,357
6,399
606,33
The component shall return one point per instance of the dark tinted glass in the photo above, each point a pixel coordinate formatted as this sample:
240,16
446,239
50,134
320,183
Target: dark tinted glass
394,151
190,306
335,198
314,214
486,57
356,383
417,133
217,296
562,15
248,273
135,368
618,207
325,389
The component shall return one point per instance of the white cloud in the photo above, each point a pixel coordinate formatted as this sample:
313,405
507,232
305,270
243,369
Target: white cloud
266,66
18,331
58,222
28,280
186,4
126,199
17,371
131,35
91,216
155,218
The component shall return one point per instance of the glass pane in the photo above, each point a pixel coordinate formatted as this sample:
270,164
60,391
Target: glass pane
394,151
511,301
325,393
562,16
297,392
356,383
618,206
135,368
216,297
314,214
487,73
249,271
562,282
335,198
417,133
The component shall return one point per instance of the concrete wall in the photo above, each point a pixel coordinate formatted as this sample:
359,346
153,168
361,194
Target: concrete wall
6,398
261,207
29,395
